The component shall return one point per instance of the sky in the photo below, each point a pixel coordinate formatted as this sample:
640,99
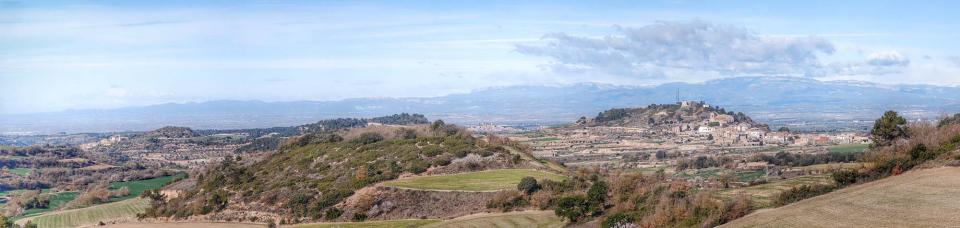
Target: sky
61,55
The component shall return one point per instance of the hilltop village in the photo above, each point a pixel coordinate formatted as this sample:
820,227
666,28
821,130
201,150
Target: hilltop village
669,136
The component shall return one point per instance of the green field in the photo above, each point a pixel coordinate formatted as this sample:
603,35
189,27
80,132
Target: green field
750,175
138,187
122,210
830,166
56,200
527,219
21,171
849,148
373,224
764,194
489,180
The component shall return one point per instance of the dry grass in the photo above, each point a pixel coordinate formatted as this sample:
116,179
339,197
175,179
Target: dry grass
764,194
921,198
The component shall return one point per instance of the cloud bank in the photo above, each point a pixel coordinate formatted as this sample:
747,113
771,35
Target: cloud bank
658,49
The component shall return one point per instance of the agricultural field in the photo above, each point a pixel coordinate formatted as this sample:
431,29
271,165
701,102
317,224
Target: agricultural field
373,224
527,219
125,210
849,148
21,171
830,166
921,198
139,186
490,180
185,225
764,194
56,200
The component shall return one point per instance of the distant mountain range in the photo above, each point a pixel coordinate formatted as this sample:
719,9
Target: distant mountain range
775,100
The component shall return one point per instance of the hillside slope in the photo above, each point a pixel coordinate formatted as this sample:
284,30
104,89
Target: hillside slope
922,198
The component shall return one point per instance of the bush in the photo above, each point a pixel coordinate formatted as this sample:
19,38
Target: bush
368,138
332,213
528,185
359,217
616,220
802,192
507,200
573,208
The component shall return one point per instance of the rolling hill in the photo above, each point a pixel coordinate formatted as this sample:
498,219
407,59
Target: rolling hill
921,198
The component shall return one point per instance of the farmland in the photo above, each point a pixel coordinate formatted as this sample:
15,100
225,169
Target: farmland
116,211
21,171
373,224
510,219
764,194
923,198
489,180
849,148
139,186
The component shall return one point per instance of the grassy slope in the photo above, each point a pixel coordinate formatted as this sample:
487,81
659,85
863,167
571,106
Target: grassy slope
122,210
373,224
139,186
922,198
849,148
21,171
526,219
489,180
763,194
56,200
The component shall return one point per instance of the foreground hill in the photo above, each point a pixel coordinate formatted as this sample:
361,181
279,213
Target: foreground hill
922,198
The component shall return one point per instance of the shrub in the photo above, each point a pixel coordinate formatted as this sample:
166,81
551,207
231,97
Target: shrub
802,192
417,166
332,213
573,208
616,220
541,199
507,200
368,138
359,217
528,185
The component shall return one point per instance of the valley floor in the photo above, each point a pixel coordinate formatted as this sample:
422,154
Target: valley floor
921,198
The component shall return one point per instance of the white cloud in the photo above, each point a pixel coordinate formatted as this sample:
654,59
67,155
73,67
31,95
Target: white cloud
659,49
887,58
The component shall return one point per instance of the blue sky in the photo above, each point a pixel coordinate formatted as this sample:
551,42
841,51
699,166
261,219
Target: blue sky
106,54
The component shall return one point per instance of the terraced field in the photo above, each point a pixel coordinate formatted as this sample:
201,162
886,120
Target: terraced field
139,186
922,198
764,194
21,171
118,211
490,180
373,224
849,148
525,219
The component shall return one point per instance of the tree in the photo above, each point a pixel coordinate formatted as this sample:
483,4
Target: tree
887,129
528,185
597,195
571,207
5,221
783,129
661,155
437,125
